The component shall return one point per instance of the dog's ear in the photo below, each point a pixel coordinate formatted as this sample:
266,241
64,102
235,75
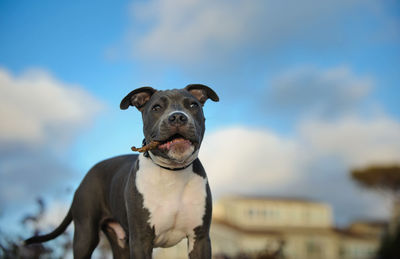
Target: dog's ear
202,93
138,98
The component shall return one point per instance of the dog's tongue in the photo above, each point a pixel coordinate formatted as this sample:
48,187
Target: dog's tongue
178,143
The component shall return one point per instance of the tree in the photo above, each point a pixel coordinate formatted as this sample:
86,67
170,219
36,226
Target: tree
385,179
11,246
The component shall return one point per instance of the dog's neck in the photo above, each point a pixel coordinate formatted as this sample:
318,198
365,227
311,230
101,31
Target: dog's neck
166,163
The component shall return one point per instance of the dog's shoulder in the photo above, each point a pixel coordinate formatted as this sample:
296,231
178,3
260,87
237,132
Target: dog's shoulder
116,163
198,168
107,169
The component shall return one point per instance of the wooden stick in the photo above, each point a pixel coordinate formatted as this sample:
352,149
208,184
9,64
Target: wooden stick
150,146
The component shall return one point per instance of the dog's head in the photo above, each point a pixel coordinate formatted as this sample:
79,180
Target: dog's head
174,118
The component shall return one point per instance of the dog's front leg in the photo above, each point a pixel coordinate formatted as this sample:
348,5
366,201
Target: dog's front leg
141,238
140,248
141,235
199,246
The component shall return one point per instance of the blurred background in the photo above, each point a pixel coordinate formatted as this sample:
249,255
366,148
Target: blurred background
302,151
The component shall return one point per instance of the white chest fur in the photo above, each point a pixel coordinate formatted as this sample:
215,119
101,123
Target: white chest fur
175,200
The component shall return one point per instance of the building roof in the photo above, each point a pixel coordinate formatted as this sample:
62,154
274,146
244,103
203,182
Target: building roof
283,231
271,198
277,231
371,222
347,233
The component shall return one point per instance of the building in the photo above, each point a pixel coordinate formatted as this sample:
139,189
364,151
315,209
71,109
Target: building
293,228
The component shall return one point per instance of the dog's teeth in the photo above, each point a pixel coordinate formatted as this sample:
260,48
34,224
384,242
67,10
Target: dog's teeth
171,143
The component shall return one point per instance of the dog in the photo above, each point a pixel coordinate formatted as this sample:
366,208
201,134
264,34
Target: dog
154,199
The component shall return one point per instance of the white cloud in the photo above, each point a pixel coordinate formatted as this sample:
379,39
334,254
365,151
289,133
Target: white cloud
40,116
187,31
356,142
317,92
240,160
36,108
313,163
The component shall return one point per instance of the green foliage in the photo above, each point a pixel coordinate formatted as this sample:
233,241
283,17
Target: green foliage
11,247
385,178
390,246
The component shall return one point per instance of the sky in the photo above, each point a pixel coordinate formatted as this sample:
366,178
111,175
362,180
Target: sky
308,90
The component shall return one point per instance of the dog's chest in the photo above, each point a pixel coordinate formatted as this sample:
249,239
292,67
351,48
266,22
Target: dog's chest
175,200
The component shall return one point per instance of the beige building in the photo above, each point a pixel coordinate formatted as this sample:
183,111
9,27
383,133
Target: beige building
293,228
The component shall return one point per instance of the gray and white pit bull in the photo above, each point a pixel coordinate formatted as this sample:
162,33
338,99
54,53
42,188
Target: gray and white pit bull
153,199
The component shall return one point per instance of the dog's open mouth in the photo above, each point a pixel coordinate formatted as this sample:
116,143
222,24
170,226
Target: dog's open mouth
175,142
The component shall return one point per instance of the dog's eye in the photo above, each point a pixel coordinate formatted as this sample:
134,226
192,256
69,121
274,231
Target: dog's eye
156,107
194,105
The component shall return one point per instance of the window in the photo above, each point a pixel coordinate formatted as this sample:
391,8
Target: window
250,212
314,249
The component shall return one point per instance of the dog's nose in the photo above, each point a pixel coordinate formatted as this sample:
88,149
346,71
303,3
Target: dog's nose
177,118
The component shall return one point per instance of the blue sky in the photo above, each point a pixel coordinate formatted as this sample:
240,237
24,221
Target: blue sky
308,89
